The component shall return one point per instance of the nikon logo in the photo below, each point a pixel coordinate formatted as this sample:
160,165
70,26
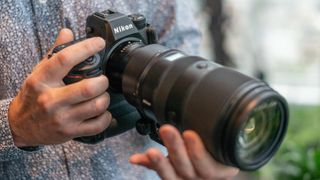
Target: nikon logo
120,29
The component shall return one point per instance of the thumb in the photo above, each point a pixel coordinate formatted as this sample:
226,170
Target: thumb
64,36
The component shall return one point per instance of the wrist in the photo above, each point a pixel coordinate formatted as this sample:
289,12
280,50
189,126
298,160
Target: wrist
19,142
18,139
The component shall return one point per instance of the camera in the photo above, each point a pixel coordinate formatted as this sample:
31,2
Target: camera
241,120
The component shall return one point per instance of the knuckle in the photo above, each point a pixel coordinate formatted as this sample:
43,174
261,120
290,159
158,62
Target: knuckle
109,115
100,105
31,83
89,46
61,127
59,120
103,123
107,96
105,82
87,91
99,125
98,128
62,59
108,118
44,103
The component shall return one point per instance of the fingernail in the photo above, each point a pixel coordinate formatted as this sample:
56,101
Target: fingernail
132,159
100,42
190,141
189,138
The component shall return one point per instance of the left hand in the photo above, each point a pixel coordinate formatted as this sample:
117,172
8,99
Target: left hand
187,159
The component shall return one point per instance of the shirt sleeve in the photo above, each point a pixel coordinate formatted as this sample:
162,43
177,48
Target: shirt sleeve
8,151
177,27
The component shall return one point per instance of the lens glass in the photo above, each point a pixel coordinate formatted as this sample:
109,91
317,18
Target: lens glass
259,132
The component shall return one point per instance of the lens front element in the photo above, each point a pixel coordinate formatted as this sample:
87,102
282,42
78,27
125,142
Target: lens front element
258,134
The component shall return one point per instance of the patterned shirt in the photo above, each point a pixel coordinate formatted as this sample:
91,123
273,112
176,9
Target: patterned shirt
27,30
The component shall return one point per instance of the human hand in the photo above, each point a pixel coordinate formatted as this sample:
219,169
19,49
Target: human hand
187,158
46,111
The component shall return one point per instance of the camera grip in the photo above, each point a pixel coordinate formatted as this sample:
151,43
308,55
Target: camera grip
88,68
124,115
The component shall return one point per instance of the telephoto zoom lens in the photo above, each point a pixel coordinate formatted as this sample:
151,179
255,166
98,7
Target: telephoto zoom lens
241,120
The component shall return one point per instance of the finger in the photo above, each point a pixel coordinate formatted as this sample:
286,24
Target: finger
177,151
205,166
94,126
154,159
89,109
161,164
140,159
81,91
64,36
58,66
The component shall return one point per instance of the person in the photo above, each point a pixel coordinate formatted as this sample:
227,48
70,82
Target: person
40,115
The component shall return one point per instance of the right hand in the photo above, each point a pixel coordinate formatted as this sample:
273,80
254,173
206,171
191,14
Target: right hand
46,111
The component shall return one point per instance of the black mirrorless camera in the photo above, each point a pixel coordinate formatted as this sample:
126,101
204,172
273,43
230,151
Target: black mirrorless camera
241,120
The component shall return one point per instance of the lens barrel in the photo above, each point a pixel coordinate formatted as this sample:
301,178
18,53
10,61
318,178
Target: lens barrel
241,120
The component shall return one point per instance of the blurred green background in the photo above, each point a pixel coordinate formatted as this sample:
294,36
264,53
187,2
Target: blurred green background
299,155
277,41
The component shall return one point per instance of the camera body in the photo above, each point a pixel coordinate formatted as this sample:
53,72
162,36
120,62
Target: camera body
119,32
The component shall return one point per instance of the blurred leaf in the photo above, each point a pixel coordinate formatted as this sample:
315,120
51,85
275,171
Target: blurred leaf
317,158
299,156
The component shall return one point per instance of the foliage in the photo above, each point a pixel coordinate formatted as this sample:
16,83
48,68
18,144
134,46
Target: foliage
299,156
299,163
